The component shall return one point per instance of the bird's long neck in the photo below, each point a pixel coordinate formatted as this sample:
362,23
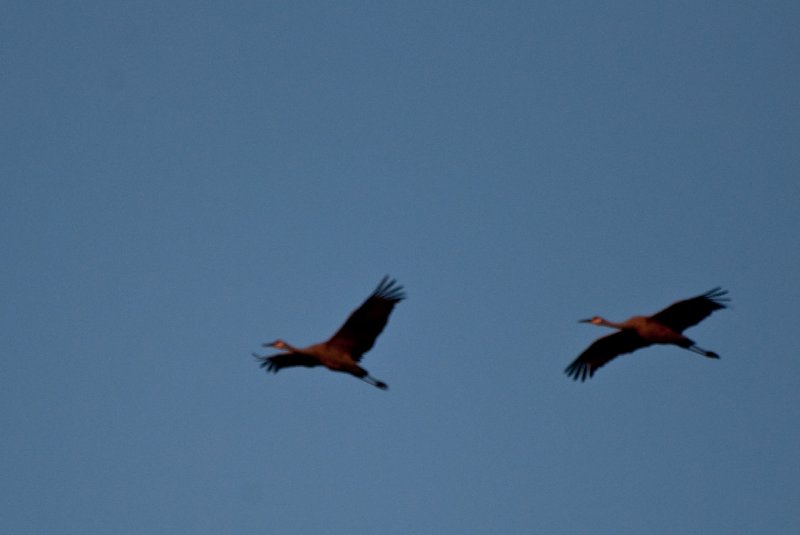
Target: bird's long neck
291,348
282,345
613,324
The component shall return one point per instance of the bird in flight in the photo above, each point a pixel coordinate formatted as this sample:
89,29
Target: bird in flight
665,327
343,351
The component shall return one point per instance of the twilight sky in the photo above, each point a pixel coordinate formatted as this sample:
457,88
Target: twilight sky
182,181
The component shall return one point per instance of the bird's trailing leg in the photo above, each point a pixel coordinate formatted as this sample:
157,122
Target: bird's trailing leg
374,382
701,351
357,371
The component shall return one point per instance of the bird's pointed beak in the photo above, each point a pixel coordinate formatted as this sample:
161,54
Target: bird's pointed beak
585,321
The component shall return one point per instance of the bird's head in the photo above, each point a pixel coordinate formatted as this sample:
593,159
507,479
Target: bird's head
278,344
597,320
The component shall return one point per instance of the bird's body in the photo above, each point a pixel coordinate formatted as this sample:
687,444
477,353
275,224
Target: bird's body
665,327
343,351
321,354
650,330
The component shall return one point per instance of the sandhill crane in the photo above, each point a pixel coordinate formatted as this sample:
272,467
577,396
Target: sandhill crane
664,327
344,349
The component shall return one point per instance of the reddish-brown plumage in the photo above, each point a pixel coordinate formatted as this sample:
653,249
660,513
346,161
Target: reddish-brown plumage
344,350
665,327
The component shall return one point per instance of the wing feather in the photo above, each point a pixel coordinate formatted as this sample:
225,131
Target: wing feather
285,360
358,334
602,351
683,314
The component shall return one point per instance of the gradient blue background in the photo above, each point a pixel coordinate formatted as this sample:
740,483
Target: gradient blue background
182,181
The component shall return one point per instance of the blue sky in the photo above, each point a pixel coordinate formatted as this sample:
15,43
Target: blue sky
183,181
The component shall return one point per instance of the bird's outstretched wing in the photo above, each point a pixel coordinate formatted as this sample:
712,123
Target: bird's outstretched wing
285,360
603,350
358,334
684,314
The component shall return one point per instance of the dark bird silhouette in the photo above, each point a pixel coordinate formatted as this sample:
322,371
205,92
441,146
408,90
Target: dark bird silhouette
343,351
665,327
